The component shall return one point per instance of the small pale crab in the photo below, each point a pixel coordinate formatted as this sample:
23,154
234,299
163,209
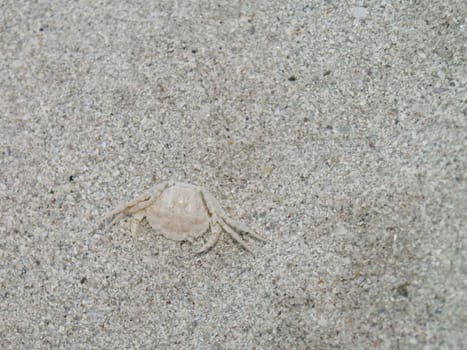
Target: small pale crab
182,212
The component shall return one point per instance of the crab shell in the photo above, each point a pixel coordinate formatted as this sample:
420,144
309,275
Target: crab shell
179,213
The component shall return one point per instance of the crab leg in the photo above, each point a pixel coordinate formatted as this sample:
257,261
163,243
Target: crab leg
212,204
217,213
115,220
129,211
128,205
135,222
137,204
214,207
238,226
235,235
216,230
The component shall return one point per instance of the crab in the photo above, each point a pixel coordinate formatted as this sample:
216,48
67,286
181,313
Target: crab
182,212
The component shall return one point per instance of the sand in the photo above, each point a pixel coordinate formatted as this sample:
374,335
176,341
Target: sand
336,129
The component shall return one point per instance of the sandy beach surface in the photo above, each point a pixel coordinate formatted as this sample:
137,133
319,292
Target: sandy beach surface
335,128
